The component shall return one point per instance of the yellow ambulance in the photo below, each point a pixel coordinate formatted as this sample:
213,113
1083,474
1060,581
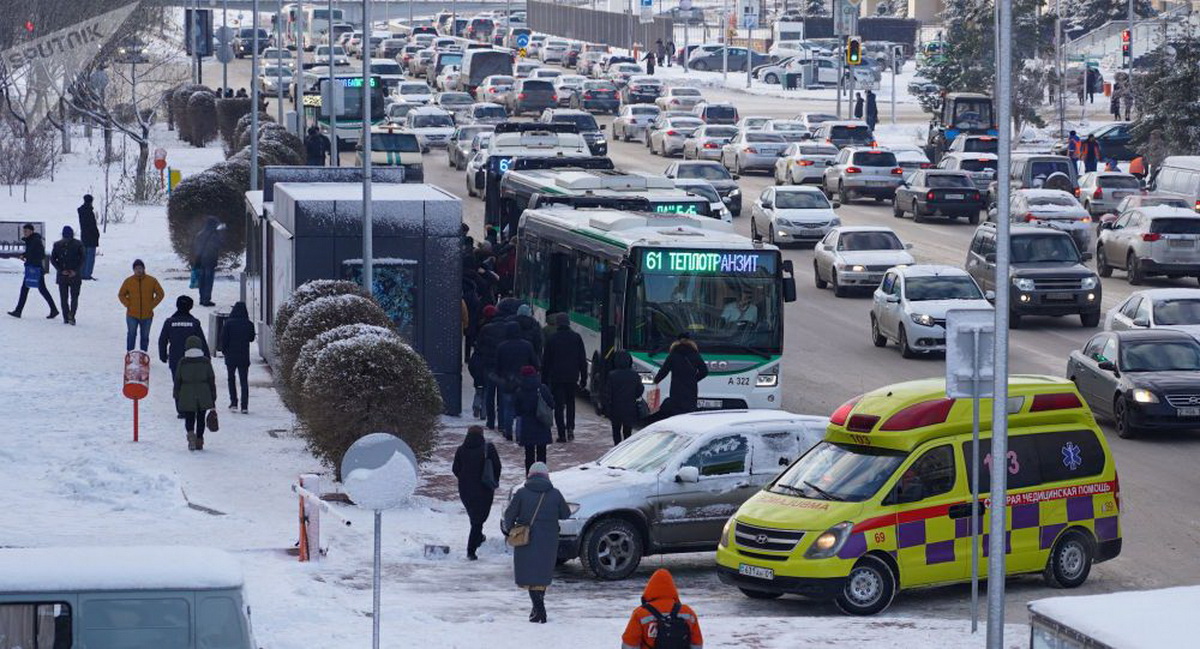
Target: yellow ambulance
883,503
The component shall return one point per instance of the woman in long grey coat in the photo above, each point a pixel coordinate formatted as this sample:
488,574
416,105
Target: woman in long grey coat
539,505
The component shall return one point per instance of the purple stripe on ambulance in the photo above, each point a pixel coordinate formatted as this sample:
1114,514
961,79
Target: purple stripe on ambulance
1106,528
939,552
1050,532
1025,516
1080,508
855,546
910,534
1007,543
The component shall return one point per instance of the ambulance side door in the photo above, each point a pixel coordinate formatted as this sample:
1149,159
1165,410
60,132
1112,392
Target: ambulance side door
932,518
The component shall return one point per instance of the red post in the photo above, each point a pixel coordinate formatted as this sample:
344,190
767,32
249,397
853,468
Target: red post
137,381
135,419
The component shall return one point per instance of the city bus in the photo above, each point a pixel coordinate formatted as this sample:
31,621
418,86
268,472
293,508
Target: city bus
635,281
348,99
316,24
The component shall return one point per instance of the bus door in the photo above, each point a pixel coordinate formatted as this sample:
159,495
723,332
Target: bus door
562,279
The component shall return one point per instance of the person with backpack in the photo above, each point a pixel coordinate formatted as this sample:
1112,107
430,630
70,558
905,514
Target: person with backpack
236,335
536,508
662,621
176,331
477,467
34,258
195,390
534,405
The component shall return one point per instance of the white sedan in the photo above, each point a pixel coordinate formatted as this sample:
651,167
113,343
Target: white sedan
910,306
857,257
792,214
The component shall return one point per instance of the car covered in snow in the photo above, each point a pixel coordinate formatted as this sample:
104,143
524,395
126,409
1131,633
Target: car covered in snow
671,487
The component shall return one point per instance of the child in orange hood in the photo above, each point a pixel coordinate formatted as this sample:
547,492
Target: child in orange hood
660,596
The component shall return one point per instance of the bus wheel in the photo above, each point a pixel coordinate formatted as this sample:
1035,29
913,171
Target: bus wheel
869,588
1070,561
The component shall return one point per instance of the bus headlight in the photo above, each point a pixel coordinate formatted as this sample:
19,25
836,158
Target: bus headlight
830,541
647,378
767,378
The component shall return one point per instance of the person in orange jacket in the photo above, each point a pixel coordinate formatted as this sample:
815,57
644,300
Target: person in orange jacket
662,617
1088,152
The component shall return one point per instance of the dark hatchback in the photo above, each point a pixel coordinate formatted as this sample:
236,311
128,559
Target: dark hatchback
941,193
592,132
531,95
642,91
716,174
597,96
1144,379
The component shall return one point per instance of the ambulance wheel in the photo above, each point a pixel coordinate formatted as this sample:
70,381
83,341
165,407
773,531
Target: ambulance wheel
759,594
1070,561
869,588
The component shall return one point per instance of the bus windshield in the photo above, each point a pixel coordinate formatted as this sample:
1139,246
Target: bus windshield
727,300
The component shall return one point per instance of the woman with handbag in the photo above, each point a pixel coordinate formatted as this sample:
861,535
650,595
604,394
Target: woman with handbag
532,523
477,467
624,396
534,405
195,392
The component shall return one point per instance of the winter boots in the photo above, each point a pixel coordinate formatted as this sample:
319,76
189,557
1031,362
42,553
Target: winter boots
537,614
191,437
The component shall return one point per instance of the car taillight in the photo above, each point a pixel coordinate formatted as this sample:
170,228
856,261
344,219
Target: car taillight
672,133
1076,192
839,416
1058,401
920,415
491,90
805,163
587,95
710,145
898,171
750,149
926,165
853,170
1099,193
1197,206
1151,236
977,196
1117,488
520,95
929,195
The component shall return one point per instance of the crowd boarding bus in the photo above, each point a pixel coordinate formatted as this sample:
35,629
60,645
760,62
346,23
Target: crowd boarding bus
347,98
635,281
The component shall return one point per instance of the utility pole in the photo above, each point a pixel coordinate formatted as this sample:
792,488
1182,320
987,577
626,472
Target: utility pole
1060,68
224,26
254,102
279,62
724,41
331,111
365,143
1129,67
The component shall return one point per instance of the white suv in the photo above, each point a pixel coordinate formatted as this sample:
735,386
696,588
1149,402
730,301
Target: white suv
859,172
1156,240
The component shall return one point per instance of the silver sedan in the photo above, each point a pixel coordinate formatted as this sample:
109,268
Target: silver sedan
706,142
668,135
753,150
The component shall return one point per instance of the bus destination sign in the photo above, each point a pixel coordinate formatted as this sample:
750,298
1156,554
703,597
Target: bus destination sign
708,262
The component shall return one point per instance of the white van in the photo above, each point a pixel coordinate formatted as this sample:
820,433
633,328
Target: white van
124,597
1180,174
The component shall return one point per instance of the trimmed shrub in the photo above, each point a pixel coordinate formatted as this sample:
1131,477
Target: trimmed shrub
309,291
321,315
212,192
241,136
308,356
202,117
229,111
179,109
280,134
366,384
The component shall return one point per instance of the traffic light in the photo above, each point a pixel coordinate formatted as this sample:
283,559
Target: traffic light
854,50
1126,47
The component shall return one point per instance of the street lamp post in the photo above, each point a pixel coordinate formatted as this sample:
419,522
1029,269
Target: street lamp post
254,101
368,225
331,110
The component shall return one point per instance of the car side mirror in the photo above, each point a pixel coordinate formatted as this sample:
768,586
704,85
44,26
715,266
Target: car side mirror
736,176
893,299
1141,321
604,127
836,204
768,204
687,474
1087,256
908,246
829,163
1106,225
1108,366
990,296
827,248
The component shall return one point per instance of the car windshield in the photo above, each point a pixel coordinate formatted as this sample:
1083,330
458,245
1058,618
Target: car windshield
643,110
841,472
599,85
1176,312
1044,248
954,287
1150,201
403,142
584,121
721,112
973,113
468,133
414,89
788,126
1176,226
1119,182
852,134
875,158
456,99
977,165
948,181
386,68
631,68
399,110
720,131
981,145
537,86
685,92
1043,168
272,71
879,240
817,118
818,150
1160,356
431,121
547,73
705,191
705,172
685,123
490,111
801,201
646,452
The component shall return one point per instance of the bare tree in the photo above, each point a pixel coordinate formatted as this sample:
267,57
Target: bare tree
25,153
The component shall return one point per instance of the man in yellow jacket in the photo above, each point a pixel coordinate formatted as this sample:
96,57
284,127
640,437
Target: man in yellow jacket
140,293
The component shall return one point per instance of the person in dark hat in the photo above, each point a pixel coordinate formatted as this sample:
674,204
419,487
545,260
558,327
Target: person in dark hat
89,235
175,332
564,365
67,259
34,257
686,368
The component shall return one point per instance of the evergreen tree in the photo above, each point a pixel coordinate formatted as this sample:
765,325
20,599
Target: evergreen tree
816,7
1167,96
1082,16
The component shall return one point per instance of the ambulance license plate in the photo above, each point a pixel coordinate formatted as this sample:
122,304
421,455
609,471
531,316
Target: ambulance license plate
712,404
1188,412
755,571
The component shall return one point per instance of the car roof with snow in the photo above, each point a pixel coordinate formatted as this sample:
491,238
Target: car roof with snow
1164,211
699,424
74,569
1042,193
864,228
931,270
1168,294
799,189
971,155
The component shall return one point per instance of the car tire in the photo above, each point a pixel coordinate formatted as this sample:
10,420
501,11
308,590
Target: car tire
918,215
897,211
877,338
1014,320
905,350
820,283
843,196
1122,419
1090,320
771,235
838,289
754,229
1133,271
611,549
1103,268
759,594
869,588
700,66
1070,561
771,78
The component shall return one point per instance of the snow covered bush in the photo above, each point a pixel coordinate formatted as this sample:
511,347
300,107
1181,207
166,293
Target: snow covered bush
212,192
365,384
321,315
241,137
279,134
308,356
179,109
309,291
229,111
202,117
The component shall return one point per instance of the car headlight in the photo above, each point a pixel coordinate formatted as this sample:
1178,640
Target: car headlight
736,192
724,540
1023,283
767,378
858,268
647,377
1089,283
573,507
923,319
1142,395
830,541
835,222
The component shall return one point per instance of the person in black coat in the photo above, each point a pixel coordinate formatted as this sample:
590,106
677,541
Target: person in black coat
872,110
206,251
34,257
650,61
686,368
624,389
236,335
531,329
858,105
534,434
316,147
483,361
172,340
67,259
89,235
476,496
564,364
511,355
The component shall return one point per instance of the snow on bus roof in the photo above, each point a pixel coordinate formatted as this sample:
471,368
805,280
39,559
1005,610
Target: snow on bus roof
633,228
73,569
1147,618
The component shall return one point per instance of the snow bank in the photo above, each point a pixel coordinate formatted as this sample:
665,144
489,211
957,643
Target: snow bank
1130,620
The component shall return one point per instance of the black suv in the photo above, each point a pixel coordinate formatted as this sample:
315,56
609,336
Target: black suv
243,41
592,132
1046,274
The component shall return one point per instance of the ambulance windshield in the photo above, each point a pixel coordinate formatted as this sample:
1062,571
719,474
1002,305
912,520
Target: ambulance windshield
839,472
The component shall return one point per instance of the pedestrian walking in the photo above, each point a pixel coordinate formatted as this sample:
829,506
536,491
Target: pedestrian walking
195,390
624,390
564,365
539,506
139,294
686,368
1089,153
872,110
1073,149
670,53
316,147
89,236
858,105
67,259
550,327
533,402
176,330
512,354
491,334
662,621
531,329
206,251
236,335
650,60
34,257
477,467
660,50
1094,83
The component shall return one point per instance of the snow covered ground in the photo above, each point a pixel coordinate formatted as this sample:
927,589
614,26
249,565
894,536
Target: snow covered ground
72,476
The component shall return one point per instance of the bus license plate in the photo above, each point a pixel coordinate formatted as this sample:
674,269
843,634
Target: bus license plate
1188,412
755,571
711,404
